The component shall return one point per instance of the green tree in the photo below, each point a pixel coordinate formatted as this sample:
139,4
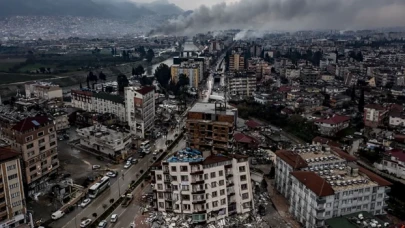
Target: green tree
162,75
145,81
139,70
149,55
111,201
122,81
133,71
102,76
141,51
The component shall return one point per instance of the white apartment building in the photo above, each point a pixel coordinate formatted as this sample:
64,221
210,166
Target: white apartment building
105,141
43,90
140,109
203,189
12,199
61,120
396,119
324,183
241,84
82,99
109,103
393,162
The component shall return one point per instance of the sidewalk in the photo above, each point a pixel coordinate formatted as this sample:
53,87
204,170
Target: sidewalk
281,205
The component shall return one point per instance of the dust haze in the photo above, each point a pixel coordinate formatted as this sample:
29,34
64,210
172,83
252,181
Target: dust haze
289,15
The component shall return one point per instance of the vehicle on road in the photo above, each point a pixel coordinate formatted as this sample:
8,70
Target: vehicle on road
114,218
97,188
85,202
129,159
127,165
132,225
111,174
85,223
145,146
57,215
134,161
155,152
96,166
102,224
127,200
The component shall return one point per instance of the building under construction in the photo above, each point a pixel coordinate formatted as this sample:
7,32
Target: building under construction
210,127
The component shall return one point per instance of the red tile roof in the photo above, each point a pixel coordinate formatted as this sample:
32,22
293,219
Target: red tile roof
31,123
291,158
400,154
215,159
343,154
7,154
242,138
326,141
336,119
374,177
374,106
82,92
252,124
146,89
314,182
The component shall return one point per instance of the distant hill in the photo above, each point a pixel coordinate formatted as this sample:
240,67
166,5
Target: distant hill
86,8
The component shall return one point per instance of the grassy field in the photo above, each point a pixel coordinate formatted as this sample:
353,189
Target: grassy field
7,63
13,78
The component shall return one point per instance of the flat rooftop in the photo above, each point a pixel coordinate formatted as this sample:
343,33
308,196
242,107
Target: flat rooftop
209,108
103,133
355,220
186,155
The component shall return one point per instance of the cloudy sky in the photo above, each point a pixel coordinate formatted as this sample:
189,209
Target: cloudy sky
192,4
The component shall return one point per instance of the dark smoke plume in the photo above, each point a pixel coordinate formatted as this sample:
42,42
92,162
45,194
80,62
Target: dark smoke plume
289,15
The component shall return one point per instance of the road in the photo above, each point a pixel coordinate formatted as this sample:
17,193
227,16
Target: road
117,187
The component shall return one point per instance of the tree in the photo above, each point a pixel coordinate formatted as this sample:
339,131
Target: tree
133,71
359,56
182,84
111,201
149,55
141,51
361,101
326,101
94,215
145,81
139,70
104,206
162,75
122,81
102,76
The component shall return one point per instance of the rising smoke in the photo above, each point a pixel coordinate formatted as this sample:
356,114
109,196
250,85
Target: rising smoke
289,15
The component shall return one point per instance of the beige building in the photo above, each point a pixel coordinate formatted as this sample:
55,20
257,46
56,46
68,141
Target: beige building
12,199
236,62
43,90
35,138
61,121
203,189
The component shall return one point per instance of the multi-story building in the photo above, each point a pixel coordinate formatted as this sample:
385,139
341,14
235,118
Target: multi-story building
210,127
331,126
396,119
82,99
106,141
236,62
324,183
241,83
12,200
61,120
109,103
205,189
374,115
43,90
393,162
35,138
192,71
140,109
259,66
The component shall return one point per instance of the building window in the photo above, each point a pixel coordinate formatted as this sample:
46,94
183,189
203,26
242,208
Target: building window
29,138
245,196
11,167
242,169
213,184
221,182
50,129
223,201
29,146
12,186
42,148
12,176
161,205
206,176
214,194
40,134
213,175
215,204
160,195
16,194
174,168
221,173
160,187
174,178
52,144
184,178
159,177
183,168
185,187
222,192
243,178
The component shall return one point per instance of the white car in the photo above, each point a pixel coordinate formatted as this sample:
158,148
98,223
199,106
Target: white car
85,202
155,152
111,174
132,225
85,223
127,165
114,218
102,224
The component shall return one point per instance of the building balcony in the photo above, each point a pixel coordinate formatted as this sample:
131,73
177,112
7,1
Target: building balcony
197,171
320,216
167,180
197,181
199,201
229,183
166,171
2,194
3,213
321,201
198,191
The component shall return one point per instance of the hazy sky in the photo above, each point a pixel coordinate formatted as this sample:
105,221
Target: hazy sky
192,4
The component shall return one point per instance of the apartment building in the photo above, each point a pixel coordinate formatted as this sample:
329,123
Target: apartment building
35,138
140,109
192,71
61,120
43,90
205,189
99,102
106,141
374,115
393,162
259,66
322,182
210,127
331,126
12,199
241,83
236,62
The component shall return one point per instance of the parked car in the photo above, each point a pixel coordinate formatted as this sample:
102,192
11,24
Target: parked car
85,223
129,159
102,224
127,165
111,174
132,225
114,218
57,215
134,161
96,166
85,202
